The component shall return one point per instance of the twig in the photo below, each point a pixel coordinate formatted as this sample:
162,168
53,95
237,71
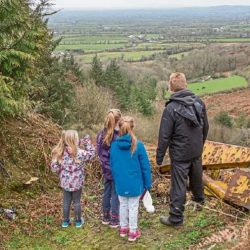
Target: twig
4,171
229,215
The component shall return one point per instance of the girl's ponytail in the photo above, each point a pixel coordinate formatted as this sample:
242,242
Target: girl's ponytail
112,118
126,126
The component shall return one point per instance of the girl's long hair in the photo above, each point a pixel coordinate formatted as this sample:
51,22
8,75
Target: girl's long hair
114,115
68,138
126,125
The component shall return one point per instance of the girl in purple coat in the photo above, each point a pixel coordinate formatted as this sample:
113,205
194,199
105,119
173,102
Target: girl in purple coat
110,203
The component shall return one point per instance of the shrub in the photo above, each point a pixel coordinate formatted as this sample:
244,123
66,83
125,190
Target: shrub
91,105
224,119
241,121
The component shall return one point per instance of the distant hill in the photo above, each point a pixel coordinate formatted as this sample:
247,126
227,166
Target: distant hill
179,14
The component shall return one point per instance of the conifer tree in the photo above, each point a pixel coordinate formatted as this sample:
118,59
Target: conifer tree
96,72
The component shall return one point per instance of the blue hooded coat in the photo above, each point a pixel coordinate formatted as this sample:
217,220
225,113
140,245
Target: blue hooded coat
131,172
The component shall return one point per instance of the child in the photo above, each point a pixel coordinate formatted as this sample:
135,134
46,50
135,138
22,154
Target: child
110,203
67,161
132,175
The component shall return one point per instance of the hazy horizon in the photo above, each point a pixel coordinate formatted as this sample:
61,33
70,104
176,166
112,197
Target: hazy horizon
142,4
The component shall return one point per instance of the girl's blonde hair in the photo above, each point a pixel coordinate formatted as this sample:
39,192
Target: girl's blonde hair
68,138
126,125
114,115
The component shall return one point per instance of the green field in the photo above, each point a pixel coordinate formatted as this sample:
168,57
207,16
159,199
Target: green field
218,85
126,55
89,47
230,40
94,39
179,56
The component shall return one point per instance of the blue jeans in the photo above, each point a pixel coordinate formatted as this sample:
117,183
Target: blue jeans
110,202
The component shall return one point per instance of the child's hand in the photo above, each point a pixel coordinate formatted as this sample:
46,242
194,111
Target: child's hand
85,140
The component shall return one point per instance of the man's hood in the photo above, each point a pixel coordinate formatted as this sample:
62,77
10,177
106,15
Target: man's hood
186,97
190,108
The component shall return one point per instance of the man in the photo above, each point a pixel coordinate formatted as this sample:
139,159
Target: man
184,128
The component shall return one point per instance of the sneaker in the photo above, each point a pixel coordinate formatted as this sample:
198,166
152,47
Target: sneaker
65,224
123,231
132,236
79,224
105,221
166,221
114,224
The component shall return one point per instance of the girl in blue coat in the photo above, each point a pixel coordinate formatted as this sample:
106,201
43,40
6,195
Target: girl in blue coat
132,176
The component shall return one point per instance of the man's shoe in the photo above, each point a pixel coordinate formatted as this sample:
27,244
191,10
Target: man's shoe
197,206
165,221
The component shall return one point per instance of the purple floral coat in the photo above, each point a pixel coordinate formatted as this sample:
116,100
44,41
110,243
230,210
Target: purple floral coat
71,171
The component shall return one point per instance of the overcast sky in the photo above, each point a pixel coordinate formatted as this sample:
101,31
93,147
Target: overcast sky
130,4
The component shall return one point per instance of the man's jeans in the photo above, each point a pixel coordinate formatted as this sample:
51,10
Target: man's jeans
180,171
110,203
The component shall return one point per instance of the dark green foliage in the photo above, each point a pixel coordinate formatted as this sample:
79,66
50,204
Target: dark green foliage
52,92
129,95
143,96
24,42
29,76
96,72
224,119
117,82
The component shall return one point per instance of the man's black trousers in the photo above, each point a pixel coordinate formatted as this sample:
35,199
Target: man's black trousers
180,173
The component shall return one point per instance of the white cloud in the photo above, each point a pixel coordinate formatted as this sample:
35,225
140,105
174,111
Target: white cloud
129,4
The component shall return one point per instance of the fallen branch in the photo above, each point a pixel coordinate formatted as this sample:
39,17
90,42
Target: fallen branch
229,215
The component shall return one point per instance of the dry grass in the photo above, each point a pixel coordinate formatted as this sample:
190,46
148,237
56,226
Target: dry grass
223,134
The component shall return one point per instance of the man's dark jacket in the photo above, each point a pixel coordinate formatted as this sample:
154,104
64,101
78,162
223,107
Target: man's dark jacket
184,127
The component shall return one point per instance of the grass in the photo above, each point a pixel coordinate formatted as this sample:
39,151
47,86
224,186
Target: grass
96,236
94,39
126,55
218,85
169,45
230,40
89,47
179,56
